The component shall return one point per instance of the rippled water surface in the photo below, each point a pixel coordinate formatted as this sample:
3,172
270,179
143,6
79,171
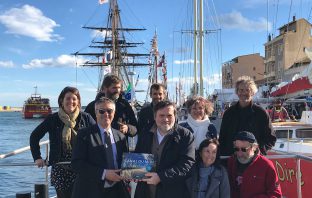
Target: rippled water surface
14,134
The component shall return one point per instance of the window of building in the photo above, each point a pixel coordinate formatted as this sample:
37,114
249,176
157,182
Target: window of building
280,49
254,68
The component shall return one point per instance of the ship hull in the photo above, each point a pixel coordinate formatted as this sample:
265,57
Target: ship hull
35,114
298,87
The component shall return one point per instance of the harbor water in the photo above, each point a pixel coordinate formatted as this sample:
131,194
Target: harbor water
15,132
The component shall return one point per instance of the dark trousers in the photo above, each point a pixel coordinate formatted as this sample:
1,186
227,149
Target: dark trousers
63,193
118,190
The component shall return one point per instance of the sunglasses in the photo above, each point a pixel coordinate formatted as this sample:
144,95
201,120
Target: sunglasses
103,111
241,149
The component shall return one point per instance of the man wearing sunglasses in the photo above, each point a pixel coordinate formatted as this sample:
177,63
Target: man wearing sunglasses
251,174
97,156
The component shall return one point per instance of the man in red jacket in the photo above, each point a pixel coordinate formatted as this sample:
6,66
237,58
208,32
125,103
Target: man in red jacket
251,174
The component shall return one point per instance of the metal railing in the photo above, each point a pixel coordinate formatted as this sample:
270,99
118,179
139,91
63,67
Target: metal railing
46,143
23,149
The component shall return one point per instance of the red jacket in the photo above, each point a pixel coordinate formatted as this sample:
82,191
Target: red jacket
259,180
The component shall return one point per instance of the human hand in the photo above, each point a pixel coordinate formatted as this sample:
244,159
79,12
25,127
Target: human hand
112,175
40,163
153,178
123,128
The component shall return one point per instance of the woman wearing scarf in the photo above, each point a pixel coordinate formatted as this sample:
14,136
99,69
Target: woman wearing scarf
62,127
209,178
198,121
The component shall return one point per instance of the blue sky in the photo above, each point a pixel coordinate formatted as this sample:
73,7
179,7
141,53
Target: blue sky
38,36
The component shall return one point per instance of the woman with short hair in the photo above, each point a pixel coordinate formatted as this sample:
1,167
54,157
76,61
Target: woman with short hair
198,121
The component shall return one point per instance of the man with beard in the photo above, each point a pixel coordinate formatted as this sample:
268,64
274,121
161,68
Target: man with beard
174,152
146,115
251,174
124,118
246,116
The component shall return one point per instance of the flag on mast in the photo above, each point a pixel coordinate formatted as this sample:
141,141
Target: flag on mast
103,1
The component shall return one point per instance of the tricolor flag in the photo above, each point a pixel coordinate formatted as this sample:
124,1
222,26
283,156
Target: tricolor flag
103,1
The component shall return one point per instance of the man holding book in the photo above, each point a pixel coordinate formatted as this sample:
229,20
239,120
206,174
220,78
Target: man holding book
174,152
97,156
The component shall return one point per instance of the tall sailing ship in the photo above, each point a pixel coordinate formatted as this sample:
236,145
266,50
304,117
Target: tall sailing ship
114,54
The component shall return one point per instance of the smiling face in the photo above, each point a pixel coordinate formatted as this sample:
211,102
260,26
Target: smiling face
157,95
244,151
198,111
165,119
245,94
104,112
70,102
113,91
208,154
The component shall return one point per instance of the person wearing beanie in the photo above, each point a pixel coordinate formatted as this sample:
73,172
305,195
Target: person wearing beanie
243,167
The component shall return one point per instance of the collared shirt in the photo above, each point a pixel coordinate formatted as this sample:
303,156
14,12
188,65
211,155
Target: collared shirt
159,136
113,146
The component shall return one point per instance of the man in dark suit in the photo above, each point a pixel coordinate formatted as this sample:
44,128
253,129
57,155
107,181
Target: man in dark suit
174,151
97,156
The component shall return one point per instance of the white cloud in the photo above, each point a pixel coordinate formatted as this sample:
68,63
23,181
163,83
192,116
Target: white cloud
102,34
180,62
61,61
16,50
6,64
29,21
235,20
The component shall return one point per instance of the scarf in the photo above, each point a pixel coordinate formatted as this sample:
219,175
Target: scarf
69,124
200,128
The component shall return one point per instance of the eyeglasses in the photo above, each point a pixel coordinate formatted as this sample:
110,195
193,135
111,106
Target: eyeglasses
241,149
103,111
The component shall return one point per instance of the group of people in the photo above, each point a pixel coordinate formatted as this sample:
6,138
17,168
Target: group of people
187,154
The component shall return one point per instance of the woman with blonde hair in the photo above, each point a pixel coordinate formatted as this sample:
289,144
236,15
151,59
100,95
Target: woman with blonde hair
198,121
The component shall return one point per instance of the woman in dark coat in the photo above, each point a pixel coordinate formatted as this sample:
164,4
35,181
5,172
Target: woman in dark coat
62,127
209,178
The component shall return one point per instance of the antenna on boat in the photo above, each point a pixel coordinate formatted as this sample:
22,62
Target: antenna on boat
36,87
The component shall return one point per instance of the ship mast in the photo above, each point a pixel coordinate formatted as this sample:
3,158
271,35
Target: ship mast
114,54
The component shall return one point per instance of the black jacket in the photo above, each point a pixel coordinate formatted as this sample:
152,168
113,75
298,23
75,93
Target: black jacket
146,118
256,121
123,112
89,161
176,161
54,126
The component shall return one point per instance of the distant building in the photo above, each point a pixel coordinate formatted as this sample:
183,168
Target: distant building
284,54
246,65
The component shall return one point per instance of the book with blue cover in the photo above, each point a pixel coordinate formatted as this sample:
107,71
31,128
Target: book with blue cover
135,165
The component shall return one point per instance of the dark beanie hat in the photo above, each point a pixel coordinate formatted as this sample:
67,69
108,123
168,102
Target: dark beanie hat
245,136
